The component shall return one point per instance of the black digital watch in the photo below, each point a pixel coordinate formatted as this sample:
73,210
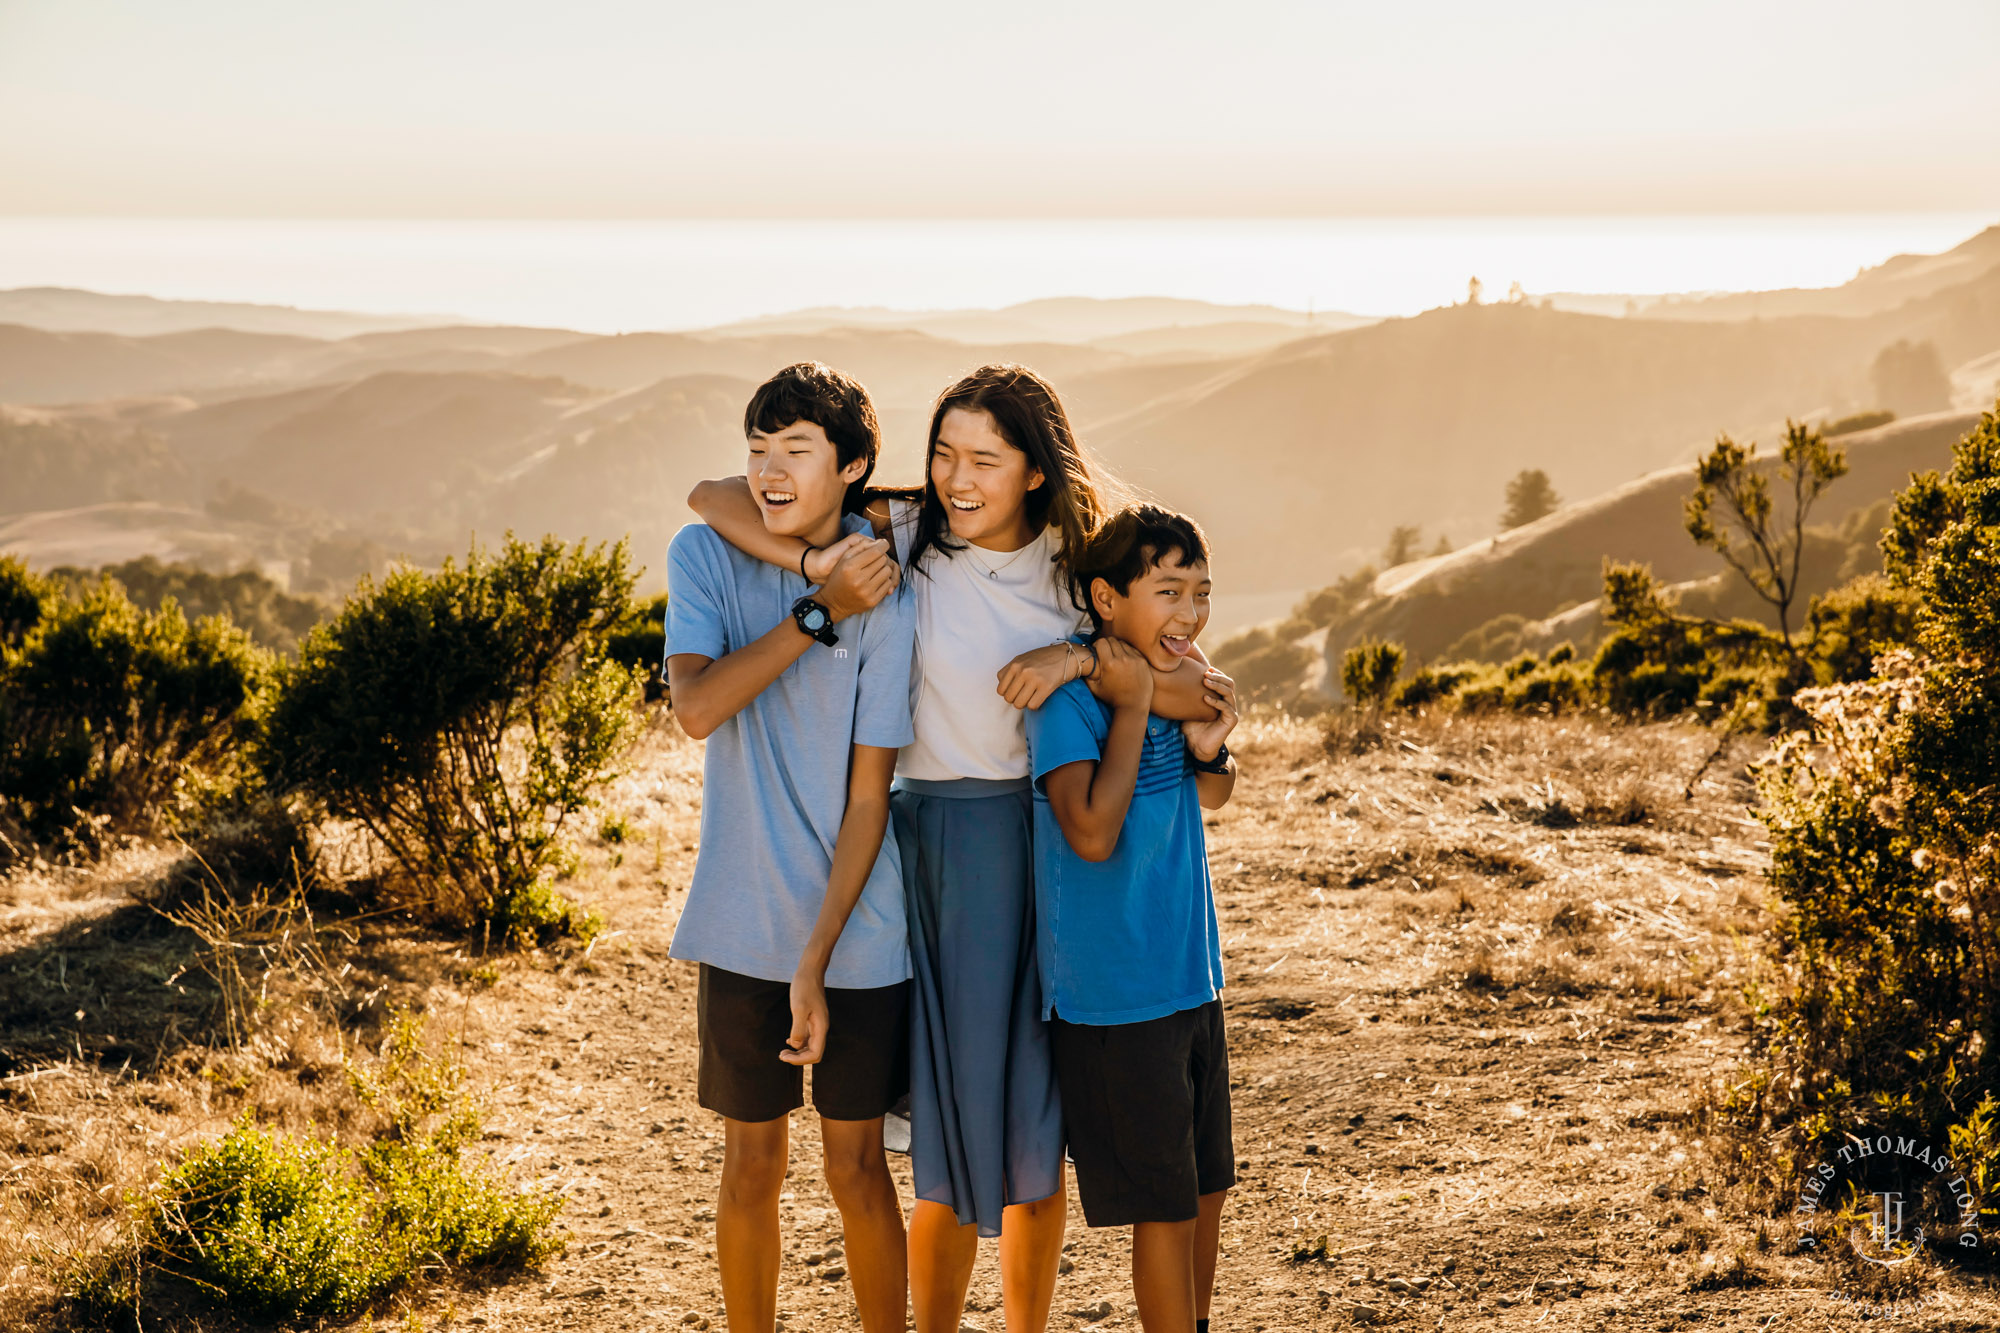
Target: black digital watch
1218,765
814,620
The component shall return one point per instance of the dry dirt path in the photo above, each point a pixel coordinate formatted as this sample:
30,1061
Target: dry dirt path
1475,976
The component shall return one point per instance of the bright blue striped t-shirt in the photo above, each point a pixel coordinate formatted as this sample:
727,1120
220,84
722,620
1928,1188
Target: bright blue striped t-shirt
1131,937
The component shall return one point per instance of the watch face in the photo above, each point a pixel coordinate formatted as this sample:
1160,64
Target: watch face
815,618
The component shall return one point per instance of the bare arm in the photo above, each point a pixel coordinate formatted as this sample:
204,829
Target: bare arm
727,506
1178,695
708,691
1090,800
1182,695
854,850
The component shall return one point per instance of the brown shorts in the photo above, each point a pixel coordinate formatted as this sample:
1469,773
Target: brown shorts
744,1021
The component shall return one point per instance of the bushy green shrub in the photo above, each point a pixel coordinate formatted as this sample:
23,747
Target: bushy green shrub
105,709
463,718
302,1228
1549,687
1368,672
23,597
1846,629
274,1224
1885,846
1431,684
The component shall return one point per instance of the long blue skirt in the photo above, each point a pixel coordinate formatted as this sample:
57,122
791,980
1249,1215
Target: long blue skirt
985,1118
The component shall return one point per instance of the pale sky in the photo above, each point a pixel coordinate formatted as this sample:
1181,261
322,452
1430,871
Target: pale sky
861,108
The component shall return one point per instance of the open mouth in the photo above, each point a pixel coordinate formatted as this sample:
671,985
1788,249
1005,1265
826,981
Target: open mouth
1180,645
965,506
778,499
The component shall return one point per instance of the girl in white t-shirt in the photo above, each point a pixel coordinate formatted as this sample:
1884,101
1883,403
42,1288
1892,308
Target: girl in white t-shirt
1008,496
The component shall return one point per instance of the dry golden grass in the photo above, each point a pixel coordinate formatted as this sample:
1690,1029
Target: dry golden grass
1482,978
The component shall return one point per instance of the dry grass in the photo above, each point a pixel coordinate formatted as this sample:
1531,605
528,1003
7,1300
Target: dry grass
1472,1040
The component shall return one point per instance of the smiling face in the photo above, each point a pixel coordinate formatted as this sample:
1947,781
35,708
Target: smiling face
1162,613
983,482
798,482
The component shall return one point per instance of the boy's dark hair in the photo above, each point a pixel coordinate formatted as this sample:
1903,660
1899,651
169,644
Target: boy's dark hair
830,399
1130,542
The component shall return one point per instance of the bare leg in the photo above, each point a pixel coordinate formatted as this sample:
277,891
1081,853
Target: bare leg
1031,1237
941,1257
871,1220
1207,1245
746,1221
1163,1275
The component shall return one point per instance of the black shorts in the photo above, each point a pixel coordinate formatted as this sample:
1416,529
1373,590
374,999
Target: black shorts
1146,1111
743,1022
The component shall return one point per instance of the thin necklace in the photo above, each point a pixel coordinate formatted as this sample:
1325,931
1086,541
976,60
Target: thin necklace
993,571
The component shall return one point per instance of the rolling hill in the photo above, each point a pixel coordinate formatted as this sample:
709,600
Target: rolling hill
1556,563
1329,442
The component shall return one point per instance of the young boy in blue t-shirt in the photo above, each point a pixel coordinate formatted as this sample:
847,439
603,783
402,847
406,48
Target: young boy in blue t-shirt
795,913
1131,960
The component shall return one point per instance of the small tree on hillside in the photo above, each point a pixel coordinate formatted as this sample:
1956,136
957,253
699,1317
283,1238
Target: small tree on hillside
1529,496
1731,512
1401,548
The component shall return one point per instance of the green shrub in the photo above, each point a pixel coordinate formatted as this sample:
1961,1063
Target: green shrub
1847,628
295,1228
1554,687
1368,672
1885,848
24,597
1431,684
639,641
464,717
105,710
272,1224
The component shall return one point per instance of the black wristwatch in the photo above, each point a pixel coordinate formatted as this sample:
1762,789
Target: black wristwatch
1219,764
815,620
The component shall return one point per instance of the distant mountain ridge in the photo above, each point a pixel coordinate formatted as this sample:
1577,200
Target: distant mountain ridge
1297,448
74,310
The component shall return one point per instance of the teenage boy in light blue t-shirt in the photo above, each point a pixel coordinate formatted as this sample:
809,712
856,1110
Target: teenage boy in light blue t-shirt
795,913
1130,956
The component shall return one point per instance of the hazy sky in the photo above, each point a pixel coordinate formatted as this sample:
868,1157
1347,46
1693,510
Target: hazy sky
644,108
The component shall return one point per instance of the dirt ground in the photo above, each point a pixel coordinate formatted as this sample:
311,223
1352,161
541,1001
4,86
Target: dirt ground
1479,975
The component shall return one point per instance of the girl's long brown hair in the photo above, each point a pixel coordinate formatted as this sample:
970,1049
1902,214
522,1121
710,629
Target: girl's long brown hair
1076,495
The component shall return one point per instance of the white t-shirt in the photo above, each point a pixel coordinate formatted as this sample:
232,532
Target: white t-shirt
977,610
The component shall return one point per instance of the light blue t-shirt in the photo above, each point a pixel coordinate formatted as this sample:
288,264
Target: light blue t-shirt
1131,937
774,779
